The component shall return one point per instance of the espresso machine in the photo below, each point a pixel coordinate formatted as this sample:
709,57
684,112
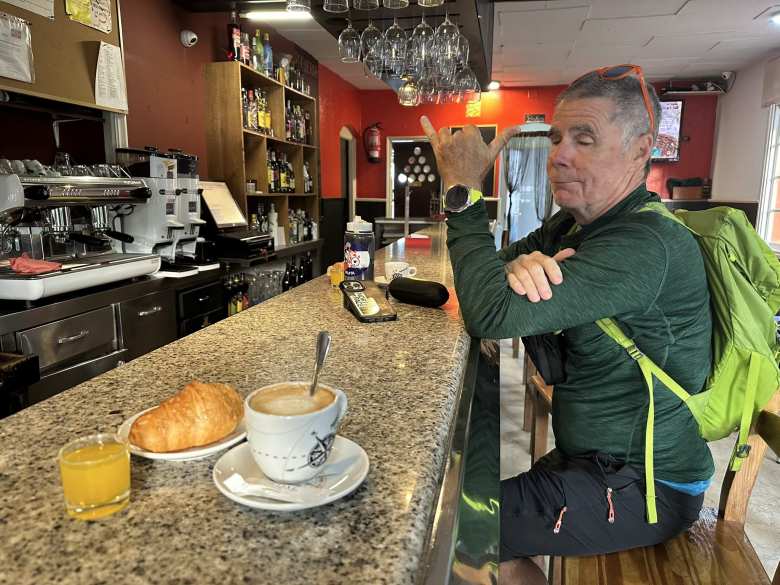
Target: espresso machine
169,224
67,220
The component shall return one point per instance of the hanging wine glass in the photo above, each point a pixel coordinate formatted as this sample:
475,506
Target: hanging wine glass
349,44
445,47
335,6
396,49
430,3
427,89
298,5
467,85
421,49
365,4
395,4
369,38
409,94
463,51
375,61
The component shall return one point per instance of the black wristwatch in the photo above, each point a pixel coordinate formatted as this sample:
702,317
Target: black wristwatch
459,197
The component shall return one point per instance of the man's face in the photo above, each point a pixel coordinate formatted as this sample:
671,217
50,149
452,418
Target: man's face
589,168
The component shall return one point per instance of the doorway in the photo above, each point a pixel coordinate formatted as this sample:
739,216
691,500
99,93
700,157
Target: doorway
337,211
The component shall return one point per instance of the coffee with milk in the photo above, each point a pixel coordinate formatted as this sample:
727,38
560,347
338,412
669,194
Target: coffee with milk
291,400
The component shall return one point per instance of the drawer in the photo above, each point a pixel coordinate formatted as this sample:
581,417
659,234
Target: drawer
148,322
77,338
194,324
200,300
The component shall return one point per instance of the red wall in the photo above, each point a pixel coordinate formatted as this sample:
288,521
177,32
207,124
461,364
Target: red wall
340,105
166,90
504,108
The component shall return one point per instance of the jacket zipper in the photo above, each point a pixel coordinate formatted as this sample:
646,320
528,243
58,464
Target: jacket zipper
559,523
611,516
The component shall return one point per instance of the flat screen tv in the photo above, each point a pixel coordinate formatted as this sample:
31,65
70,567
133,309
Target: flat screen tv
667,146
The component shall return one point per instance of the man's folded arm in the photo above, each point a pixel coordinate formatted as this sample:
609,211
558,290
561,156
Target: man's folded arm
604,278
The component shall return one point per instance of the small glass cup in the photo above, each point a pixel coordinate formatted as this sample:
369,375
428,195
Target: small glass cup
95,473
335,6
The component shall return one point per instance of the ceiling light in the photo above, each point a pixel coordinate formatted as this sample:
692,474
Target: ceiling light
493,85
276,15
774,18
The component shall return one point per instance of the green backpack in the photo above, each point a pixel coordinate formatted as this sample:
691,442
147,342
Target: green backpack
744,282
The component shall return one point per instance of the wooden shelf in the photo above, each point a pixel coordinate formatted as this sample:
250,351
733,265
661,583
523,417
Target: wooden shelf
300,94
237,154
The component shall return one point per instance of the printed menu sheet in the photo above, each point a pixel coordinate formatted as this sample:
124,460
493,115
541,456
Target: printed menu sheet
110,90
41,7
16,58
93,13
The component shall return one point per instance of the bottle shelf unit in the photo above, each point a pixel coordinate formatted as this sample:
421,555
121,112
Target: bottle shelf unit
237,154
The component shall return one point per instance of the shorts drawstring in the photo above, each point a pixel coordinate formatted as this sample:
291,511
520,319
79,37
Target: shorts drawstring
611,516
559,523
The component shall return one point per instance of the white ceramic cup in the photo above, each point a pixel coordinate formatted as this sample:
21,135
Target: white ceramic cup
293,448
398,269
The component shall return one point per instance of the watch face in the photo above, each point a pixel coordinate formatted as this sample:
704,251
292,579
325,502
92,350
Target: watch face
456,197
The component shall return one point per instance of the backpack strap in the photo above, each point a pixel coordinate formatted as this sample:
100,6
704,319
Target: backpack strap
742,448
649,370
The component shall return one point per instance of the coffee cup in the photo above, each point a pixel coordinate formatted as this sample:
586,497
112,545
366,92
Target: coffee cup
291,434
398,270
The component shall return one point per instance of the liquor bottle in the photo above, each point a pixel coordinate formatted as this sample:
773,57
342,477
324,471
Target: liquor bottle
301,272
309,266
270,172
288,121
234,37
252,110
273,224
284,183
308,132
267,113
286,279
308,230
290,177
257,51
245,107
246,51
268,56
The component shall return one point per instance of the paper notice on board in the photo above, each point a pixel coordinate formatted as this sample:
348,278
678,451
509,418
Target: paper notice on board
94,13
42,7
16,58
110,90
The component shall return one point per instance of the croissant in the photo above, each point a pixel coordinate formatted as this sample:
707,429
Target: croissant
196,415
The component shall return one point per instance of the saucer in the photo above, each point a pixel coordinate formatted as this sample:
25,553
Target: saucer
185,454
345,470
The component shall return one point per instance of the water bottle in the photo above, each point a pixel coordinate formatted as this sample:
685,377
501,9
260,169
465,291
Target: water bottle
359,250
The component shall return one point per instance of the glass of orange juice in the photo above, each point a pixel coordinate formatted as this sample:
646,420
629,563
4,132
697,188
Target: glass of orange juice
336,273
95,473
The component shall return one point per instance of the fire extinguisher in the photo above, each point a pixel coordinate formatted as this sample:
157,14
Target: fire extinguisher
372,142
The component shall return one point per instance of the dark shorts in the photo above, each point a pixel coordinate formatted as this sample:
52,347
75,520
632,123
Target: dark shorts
563,506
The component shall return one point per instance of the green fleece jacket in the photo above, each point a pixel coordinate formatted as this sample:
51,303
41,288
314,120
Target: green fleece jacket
641,268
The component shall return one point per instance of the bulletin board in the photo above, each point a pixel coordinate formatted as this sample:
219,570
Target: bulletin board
65,54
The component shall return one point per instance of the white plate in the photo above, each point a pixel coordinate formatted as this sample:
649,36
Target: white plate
186,454
345,470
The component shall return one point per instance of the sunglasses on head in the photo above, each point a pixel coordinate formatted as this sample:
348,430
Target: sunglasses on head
616,72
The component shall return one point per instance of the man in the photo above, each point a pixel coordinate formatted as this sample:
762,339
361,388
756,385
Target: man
600,256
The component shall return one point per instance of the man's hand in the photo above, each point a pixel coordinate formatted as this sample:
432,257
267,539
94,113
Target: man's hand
532,274
464,158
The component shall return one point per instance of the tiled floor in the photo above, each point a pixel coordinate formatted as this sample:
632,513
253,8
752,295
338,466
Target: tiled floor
763,524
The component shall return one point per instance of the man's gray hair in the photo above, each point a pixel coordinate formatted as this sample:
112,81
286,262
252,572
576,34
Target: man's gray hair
626,94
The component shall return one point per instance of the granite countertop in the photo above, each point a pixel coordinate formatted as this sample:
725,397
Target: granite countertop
402,379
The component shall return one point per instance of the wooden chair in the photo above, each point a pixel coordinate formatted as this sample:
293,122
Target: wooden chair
715,551
528,408
541,396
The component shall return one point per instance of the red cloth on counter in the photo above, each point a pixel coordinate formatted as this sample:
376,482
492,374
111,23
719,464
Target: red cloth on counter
26,265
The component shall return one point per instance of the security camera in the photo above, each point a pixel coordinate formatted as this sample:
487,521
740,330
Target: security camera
188,38
726,75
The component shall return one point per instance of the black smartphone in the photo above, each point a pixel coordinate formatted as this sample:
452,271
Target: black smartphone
367,301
